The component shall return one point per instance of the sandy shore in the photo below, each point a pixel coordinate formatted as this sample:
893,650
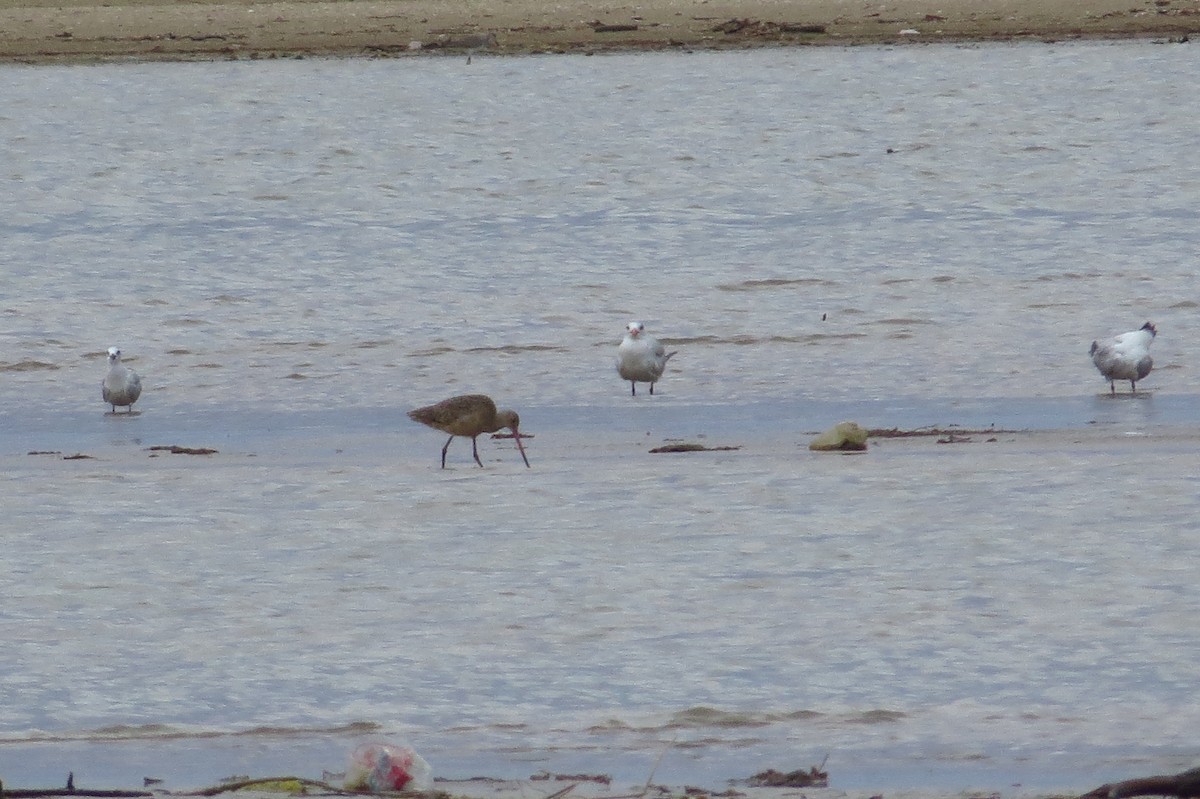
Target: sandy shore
565,788
584,789
33,31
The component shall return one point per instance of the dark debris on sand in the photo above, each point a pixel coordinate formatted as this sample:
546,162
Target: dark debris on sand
175,449
683,447
814,777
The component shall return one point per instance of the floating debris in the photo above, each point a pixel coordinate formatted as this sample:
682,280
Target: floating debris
78,456
602,779
814,777
600,27
682,447
385,767
26,366
754,27
895,432
175,449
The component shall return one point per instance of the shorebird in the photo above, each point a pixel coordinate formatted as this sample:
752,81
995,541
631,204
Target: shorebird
641,358
1125,357
468,415
121,385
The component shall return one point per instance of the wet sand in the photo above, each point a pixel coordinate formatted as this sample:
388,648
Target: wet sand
562,449
36,31
537,789
85,32
561,787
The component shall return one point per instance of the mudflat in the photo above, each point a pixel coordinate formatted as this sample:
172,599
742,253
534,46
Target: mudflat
90,30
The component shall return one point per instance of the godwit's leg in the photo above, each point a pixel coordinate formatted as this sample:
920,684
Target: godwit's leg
475,452
448,440
651,389
1132,387
1113,385
633,388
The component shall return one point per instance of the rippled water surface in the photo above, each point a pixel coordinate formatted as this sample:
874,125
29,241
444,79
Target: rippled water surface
294,253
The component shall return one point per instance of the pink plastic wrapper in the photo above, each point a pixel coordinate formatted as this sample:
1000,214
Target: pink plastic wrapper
380,768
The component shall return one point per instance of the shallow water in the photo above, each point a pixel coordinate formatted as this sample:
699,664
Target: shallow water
295,253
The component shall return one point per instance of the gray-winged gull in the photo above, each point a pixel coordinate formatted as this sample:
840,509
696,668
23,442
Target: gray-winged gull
641,358
121,385
1125,357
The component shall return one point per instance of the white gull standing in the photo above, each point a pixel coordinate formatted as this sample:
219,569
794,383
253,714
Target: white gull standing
1125,357
641,358
121,385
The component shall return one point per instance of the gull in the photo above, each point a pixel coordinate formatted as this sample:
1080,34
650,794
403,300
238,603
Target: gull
121,385
641,358
468,415
1125,357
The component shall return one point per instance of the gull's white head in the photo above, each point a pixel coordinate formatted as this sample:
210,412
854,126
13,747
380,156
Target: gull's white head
635,329
114,355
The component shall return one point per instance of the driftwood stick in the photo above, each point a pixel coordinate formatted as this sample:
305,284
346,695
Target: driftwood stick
657,763
1183,785
242,784
563,792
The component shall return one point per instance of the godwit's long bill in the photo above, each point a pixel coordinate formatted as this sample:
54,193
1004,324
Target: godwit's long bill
469,415
1125,357
640,357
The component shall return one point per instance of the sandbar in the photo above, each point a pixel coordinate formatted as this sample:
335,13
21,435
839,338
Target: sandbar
81,31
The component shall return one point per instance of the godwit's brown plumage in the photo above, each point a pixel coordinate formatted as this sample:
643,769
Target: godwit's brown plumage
468,415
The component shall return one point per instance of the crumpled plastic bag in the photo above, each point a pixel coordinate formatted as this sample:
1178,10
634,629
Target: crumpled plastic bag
382,767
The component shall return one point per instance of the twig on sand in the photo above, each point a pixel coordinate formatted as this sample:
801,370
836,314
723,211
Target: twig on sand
563,792
653,771
649,780
243,784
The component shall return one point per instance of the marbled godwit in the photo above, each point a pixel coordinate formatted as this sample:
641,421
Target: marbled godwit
1125,357
468,415
641,358
121,385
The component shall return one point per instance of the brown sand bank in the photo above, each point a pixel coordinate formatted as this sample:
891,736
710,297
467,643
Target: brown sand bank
84,30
